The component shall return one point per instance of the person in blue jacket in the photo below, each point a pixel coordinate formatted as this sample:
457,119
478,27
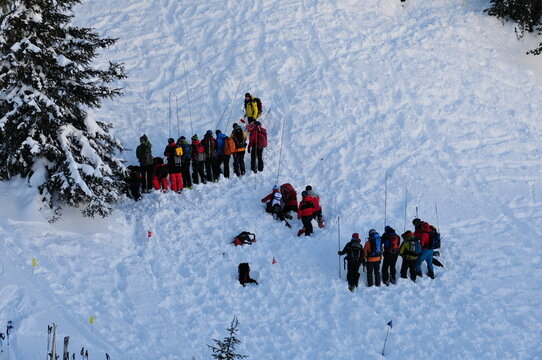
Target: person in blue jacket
222,159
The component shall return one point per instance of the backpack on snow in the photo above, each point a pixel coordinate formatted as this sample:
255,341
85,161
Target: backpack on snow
434,239
355,253
229,146
259,106
376,245
244,237
244,274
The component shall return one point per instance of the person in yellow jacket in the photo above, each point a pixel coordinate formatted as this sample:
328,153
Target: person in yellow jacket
240,139
251,108
372,257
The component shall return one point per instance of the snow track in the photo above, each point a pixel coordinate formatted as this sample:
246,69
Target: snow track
434,93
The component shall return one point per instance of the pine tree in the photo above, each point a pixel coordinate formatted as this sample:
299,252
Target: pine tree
225,349
47,85
526,13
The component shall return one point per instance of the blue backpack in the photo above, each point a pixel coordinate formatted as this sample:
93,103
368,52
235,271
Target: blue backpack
376,245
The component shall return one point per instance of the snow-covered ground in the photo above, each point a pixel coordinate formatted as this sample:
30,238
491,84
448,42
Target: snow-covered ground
436,94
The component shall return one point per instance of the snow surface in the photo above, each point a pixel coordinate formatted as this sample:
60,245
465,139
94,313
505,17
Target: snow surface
436,94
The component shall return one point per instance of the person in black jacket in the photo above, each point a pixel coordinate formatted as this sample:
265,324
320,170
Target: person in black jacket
186,158
354,256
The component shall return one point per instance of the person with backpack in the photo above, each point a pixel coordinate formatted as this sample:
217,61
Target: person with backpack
317,208
275,205
390,242
173,154
354,257
372,252
422,232
133,179
409,250
186,159
144,156
159,174
252,110
198,161
222,159
240,139
289,197
209,146
306,214
257,142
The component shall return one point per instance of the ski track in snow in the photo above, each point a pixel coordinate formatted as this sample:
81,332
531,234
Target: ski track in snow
433,93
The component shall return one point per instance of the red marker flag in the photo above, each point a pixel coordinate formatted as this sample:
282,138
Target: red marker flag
149,234
274,261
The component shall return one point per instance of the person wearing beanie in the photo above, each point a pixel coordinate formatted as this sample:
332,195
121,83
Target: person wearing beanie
354,257
198,161
390,242
186,158
222,160
275,205
410,250
173,154
251,108
240,139
144,155
372,252
210,145
305,213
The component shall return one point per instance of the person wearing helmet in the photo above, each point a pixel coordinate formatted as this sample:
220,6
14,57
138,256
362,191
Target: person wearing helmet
372,255
275,205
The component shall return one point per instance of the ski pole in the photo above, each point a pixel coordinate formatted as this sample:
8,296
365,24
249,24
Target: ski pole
231,110
417,212
436,212
177,115
2,337
265,116
339,240
386,200
188,96
221,116
280,152
385,340
406,197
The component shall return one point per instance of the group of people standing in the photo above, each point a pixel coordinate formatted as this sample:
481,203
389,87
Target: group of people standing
200,161
417,247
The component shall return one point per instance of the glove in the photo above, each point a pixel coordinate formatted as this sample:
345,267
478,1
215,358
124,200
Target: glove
263,200
338,253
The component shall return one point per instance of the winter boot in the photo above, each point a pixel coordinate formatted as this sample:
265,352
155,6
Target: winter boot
300,232
431,274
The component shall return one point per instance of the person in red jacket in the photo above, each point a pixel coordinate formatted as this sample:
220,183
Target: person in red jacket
257,141
317,208
289,198
174,165
159,174
275,205
422,232
306,214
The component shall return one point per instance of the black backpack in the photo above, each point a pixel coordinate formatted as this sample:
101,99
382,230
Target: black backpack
434,239
355,252
238,138
244,237
244,274
259,105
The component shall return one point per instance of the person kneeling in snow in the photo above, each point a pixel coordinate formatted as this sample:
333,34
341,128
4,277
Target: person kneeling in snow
274,205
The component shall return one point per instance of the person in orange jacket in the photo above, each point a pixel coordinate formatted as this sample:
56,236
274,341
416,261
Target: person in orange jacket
372,252
305,213
317,208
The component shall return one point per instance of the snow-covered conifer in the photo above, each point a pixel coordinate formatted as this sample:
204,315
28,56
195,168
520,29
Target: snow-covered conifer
47,85
225,349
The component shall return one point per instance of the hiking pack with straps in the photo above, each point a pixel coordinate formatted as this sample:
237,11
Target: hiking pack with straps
244,237
434,239
393,243
355,252
258,105
244,274
177,155
239,138
229,146
414,247
376,245
262,137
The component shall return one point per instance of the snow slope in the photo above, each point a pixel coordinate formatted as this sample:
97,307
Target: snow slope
435,94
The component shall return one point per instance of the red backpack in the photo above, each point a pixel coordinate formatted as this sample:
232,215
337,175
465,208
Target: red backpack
394,241
262,137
